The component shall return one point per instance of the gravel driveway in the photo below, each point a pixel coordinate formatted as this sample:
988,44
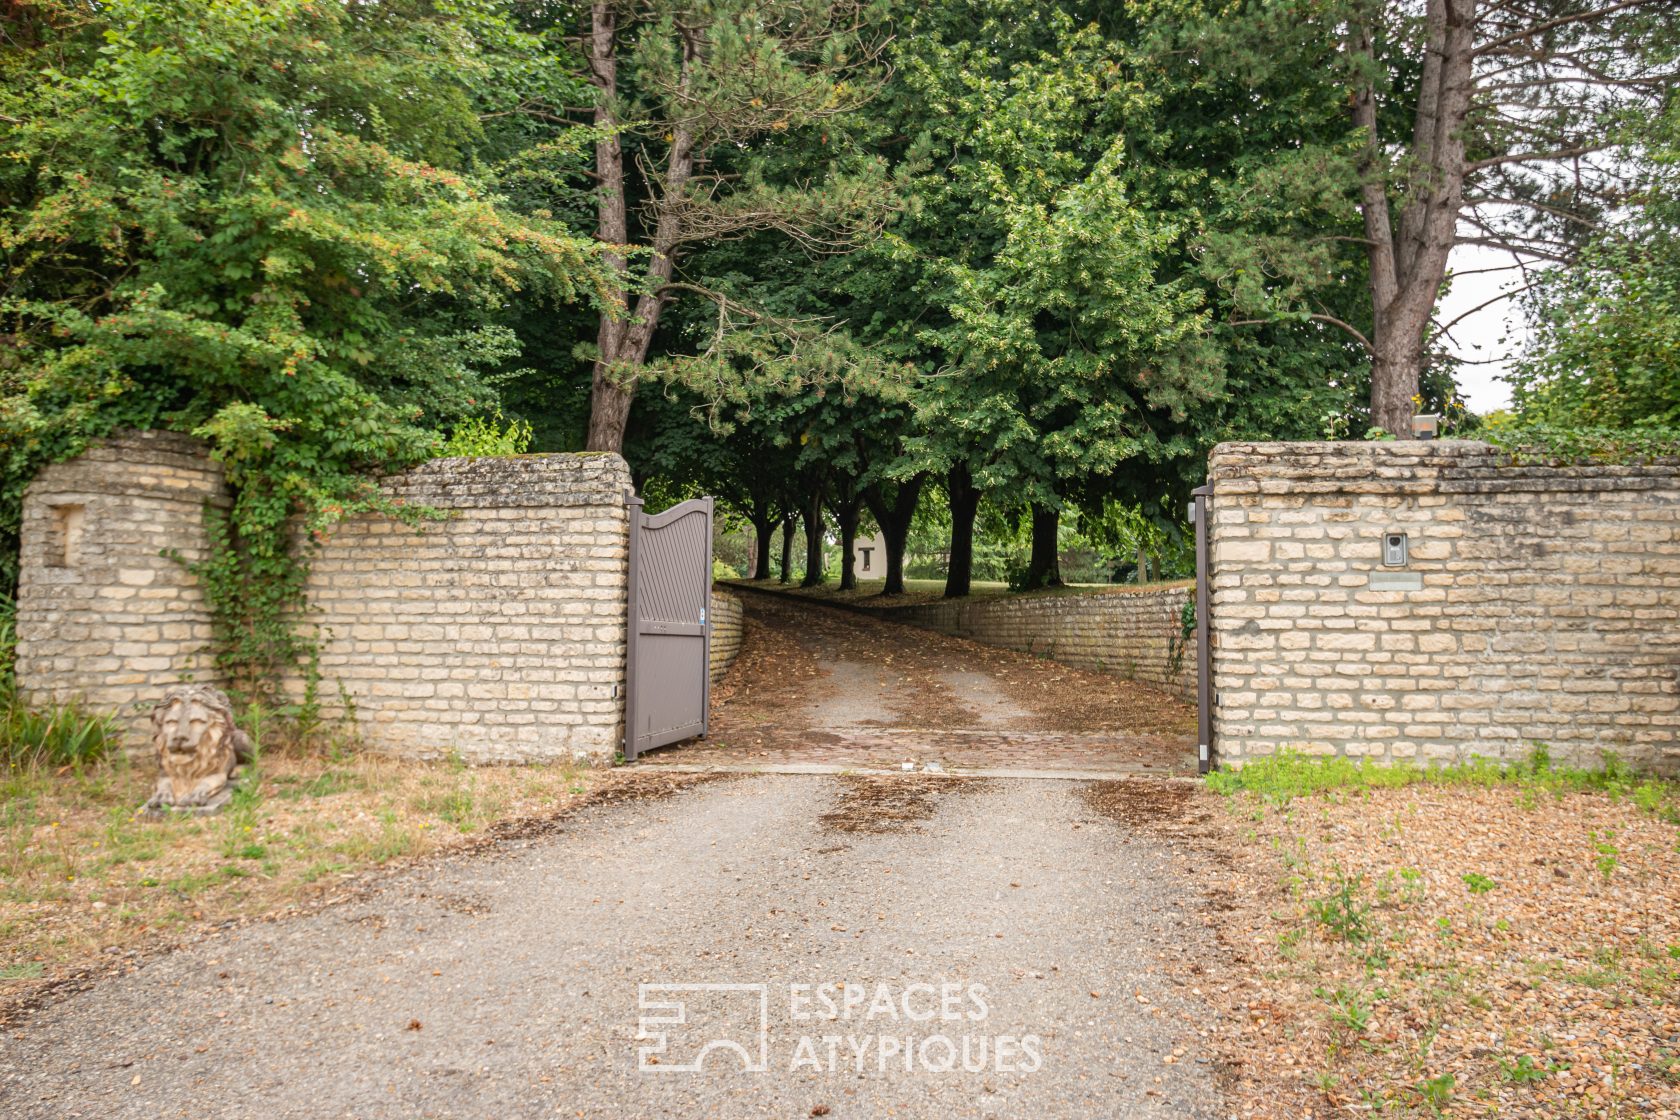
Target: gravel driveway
820,688
1010,917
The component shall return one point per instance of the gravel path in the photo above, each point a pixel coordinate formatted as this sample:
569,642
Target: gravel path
819,688
506,984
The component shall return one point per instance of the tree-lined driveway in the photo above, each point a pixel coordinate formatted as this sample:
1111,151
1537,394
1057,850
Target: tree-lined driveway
817,687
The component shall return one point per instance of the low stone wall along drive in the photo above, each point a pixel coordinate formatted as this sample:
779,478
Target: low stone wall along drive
727,632
1134,633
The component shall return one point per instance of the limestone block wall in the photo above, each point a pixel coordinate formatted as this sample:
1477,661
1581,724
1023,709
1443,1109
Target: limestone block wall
1137,634
103,614
727,632
1536,604
496,633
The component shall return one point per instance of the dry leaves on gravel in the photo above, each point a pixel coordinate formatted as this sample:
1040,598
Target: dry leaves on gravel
1445,951
779,672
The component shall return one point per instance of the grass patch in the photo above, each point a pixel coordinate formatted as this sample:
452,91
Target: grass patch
56,736
82,869
1435,922
293,787
1289,774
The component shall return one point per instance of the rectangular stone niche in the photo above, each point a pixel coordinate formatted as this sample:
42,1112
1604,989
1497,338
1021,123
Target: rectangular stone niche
64,536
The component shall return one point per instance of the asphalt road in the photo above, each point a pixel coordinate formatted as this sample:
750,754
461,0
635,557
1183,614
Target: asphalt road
877,930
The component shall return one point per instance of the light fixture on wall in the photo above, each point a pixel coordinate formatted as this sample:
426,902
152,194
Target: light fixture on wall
1426,425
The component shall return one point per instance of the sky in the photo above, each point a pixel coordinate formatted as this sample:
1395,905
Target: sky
1497,331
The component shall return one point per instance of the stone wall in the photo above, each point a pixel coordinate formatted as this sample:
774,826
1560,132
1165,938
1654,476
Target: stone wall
103,614
1537,604
495,632
727,632
1133,633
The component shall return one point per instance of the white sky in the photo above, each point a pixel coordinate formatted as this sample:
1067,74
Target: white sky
1497,331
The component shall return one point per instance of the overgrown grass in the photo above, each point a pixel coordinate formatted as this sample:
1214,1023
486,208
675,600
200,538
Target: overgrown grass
82,868
55,736
1289,775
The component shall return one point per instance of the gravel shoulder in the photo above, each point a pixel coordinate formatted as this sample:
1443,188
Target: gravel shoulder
1425,951
507,983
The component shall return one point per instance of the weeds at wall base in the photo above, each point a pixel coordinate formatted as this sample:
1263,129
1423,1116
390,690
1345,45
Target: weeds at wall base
1280,779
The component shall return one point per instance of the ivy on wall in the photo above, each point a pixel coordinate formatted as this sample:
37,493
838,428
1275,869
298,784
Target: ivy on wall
262,222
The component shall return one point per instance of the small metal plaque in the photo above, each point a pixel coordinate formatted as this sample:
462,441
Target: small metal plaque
1396,581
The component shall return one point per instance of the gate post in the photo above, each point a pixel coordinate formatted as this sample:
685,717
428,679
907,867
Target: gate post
1204,612
631,625
706,628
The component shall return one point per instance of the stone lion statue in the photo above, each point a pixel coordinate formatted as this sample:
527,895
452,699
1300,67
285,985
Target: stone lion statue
198,749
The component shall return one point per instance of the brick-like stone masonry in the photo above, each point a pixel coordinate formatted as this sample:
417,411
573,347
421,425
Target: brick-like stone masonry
1137,634
727,632
496,632
1548,611
103,615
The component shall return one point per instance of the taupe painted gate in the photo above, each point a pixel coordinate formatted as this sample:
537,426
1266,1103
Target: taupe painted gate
667,671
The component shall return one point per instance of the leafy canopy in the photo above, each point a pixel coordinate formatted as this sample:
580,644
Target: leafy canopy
258,221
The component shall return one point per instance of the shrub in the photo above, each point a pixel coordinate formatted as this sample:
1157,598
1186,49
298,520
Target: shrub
480,437
66,735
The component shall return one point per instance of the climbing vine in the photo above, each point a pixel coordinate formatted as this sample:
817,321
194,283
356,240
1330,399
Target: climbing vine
1178,643
267,223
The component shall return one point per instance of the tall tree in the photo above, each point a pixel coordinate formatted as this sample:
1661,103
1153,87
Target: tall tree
1073,347
1606,349
706,92
1486,122
261,222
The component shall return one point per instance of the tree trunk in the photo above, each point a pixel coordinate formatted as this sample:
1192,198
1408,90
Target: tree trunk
846,507
624,340
788,522
894,518
812,515
1408,259
764,528
1396,369
965,503
1044,567
609,401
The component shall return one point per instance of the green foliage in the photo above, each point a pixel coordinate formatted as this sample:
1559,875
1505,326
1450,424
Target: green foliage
1290,774
54,736
1608,854
489,437
8,639
1344,912
1525,1070
1437,1092
260,223
1350,1009
1553,443
1606,351
1479,883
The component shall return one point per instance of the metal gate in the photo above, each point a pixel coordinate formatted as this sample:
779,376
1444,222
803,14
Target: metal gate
1204,614
667,668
